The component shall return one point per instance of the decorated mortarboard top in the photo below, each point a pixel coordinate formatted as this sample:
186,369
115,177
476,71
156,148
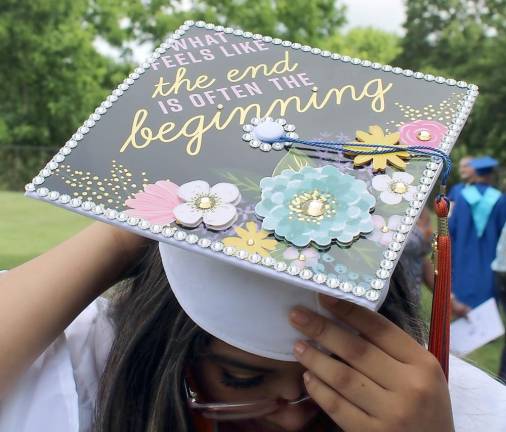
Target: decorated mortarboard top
484,165
253,150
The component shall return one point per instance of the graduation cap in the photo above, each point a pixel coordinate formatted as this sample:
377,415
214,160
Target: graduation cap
484,165
269,171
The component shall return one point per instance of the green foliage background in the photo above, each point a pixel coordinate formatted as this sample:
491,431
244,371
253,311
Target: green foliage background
52,75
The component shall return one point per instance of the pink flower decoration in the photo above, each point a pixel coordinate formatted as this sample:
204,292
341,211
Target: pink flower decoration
156,203
427,133
384,230
301,258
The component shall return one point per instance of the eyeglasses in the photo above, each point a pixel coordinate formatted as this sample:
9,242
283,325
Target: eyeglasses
239,410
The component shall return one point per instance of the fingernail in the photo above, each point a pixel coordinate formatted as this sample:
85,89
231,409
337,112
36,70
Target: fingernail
299,348
299,317
307,377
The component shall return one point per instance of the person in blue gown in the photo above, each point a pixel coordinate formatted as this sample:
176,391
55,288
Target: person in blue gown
466,173
479,213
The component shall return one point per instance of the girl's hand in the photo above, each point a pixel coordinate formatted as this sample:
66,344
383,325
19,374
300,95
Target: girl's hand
380,380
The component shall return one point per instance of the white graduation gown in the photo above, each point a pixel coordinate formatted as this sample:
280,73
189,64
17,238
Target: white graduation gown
58,392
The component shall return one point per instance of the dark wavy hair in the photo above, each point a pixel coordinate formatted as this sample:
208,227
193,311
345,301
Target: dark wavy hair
141,389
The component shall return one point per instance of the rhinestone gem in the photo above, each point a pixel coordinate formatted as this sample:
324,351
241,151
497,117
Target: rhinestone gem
404,228
346,287
382,273
255,258
156,229
88,205
372,295
407,220
59,158
122,217
180,235
319,278
99,209
390,255
377,284
333,283
132,221
418,75
247,128
192,239
265,147
42,192
144,224
75,202
65,199
278,146
395,246
255,143
293,270
53,195
399,237
204,243
411,212
217,246
306,274
111,214
30,187
71,143
38,180
280,266
242,254
268,261
247,137
359,290
386,264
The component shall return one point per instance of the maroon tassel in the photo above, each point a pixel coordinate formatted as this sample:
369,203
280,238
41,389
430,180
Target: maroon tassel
439,336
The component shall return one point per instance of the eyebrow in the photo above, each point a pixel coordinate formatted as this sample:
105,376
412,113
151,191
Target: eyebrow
237,363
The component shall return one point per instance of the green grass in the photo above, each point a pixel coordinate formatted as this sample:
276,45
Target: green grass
487,357
29,227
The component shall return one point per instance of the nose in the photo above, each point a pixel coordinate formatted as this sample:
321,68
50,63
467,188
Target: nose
293,418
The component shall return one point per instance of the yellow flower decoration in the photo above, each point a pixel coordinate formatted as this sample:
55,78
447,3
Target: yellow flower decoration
379,161
251,240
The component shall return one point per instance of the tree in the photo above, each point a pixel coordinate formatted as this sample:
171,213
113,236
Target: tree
52,76
465,40
366,43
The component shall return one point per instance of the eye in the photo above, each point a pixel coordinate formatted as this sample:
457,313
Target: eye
240,383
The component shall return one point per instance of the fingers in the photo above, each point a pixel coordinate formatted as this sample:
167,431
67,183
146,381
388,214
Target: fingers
353,349
346,415
352,385
375,328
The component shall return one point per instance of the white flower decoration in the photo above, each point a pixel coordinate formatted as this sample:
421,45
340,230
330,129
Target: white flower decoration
384,229
396,188
215,206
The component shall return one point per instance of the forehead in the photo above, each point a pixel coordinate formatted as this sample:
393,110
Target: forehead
223,349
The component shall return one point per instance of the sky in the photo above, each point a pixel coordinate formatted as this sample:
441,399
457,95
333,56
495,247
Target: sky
384,14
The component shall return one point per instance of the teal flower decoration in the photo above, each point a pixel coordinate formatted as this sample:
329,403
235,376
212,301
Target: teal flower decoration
315,205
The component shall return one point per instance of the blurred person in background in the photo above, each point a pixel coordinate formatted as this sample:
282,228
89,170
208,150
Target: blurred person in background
479,214
466,173
499,268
